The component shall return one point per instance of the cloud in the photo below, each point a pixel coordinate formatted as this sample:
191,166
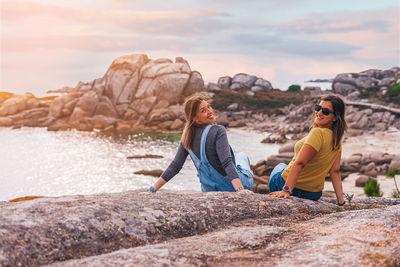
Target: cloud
187,21
292,45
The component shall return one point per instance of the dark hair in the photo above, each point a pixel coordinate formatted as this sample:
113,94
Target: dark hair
190,109
340,125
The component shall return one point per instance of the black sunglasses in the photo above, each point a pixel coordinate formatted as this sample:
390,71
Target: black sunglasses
325,111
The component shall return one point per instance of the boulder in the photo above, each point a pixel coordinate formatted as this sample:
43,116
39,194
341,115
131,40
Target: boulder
156,173
56,106
221,118
177,125
314,90
249,93
165,114
165,125
261,170
256,88
288,147
99,86
168,87
362,180
342,88
380,158
363,123
355,158
36,117
85,107
102,122
395,163
244,79
69,107
212,87
6,122
234,124
365,82
120,72
237,86
233,106
13,105
105,108
59,125
146,156
274,160
260,82
195,84
354,96
224,82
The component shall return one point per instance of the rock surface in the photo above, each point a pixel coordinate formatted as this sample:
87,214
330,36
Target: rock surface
124,229
346,83
133,90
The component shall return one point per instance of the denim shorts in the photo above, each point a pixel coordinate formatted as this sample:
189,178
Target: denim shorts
276,183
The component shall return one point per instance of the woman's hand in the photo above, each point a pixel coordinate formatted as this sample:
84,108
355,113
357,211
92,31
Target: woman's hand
245,191
283,194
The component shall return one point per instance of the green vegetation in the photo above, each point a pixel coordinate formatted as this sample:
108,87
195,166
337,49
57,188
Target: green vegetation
392,172
294,88
267,101
395,88
395,194
372,189
392,95
349,197
171,137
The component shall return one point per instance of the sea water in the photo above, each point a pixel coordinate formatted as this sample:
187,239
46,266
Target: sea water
34,161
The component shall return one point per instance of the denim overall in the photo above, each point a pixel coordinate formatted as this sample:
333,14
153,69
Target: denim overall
212,180
276,183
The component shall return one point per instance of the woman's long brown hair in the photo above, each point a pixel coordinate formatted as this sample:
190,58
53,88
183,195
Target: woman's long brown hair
340,125
190,109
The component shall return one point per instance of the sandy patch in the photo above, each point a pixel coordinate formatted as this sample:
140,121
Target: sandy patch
387,142
377,142
386,185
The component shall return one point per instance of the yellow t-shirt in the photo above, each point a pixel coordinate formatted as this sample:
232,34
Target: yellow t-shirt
312,177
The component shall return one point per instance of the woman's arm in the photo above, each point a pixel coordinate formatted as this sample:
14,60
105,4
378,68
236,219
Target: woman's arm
173,169
306,153
159,183
224,155
334,174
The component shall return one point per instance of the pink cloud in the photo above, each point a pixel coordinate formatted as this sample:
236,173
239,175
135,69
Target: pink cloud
134,19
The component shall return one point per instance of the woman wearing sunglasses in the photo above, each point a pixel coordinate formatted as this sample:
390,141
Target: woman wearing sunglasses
316,155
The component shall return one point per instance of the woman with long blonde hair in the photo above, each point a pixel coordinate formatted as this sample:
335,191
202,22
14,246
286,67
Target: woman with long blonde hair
207,144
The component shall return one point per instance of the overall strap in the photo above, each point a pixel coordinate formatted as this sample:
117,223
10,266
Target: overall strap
203,156
195,159
233,155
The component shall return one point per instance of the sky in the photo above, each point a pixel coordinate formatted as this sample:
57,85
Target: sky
49,44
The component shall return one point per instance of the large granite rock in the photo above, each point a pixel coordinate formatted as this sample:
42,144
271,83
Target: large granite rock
51,230
346,83
240,81
133,89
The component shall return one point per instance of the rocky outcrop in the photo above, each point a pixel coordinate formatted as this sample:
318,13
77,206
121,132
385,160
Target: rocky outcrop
127,228
136,92
368,165
259,245
297,120
242,82
347,83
